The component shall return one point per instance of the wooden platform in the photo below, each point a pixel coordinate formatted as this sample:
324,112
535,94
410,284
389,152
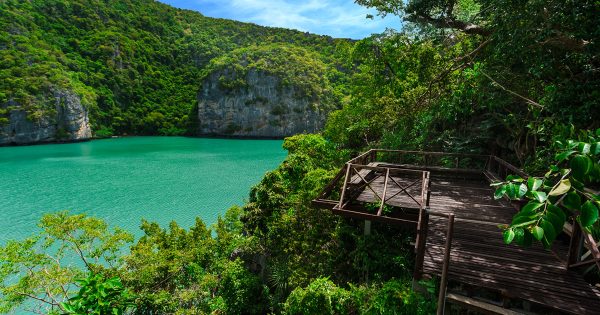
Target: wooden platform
478,257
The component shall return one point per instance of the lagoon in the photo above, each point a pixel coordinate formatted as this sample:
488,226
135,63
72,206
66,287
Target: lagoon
123,180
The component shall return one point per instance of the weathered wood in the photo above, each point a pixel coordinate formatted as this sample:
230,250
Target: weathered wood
345,184
575,245
479,306
422,227
446,265
368,216
387,175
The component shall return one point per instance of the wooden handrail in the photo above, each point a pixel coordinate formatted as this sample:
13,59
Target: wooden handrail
446,265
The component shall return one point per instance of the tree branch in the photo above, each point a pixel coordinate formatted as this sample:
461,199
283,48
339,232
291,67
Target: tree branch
451,22
529,101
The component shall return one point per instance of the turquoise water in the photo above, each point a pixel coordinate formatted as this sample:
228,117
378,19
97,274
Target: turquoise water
124,180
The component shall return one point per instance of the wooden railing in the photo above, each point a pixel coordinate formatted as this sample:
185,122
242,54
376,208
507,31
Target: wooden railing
353,173
583,252
492,166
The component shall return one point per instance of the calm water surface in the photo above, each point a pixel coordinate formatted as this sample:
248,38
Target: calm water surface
126,179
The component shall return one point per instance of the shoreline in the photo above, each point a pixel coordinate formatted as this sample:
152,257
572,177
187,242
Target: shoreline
205,136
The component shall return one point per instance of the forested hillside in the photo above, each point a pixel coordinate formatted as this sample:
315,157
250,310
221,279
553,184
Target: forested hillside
137,66
511,78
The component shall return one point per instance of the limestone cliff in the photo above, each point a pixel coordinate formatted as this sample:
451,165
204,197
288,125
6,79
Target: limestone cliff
66,119
276,91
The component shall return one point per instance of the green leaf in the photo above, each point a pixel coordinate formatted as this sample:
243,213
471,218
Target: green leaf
562,156
584,148
534,183
595,148
581,165
572,201
514,178
557,221
500,192
68,307
549,231
540,196
511,191
557,211
562,188
537,232
519,236
529,209
589,214
522,190
509,235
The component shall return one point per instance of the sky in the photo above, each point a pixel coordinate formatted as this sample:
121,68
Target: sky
336,18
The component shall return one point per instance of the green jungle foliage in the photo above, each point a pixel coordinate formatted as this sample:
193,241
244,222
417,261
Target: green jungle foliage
294,67
136,64
481,76
563,192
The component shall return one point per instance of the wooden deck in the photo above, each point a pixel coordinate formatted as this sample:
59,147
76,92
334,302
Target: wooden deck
478,256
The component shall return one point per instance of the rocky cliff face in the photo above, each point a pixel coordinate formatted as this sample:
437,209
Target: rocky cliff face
257,105
65,120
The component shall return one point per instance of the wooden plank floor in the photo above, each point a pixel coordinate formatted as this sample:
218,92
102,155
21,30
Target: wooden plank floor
397,196
479,257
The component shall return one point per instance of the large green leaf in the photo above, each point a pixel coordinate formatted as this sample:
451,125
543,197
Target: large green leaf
529,208
557,211
557,221
562,188
581,165
595,148
508,235
584,148
572,201
537,232
549,231
563,156
539,195
500,192
589,214
534,183
519,236
522,191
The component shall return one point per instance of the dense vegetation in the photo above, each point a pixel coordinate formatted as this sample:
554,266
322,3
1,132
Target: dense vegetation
485,76
136,64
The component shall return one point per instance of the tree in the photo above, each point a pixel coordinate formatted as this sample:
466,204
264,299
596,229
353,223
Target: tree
42,270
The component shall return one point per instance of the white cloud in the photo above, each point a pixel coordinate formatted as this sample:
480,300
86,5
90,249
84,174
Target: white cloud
337,18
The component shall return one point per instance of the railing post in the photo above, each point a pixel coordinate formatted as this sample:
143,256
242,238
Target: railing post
575,245
348,166
420,243
446,265
387,174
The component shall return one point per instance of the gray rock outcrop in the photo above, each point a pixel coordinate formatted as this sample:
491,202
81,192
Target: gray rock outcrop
259,106
65,120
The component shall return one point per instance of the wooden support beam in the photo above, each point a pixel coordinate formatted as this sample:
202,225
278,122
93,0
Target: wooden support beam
446,265
575,245
420,243
479,306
